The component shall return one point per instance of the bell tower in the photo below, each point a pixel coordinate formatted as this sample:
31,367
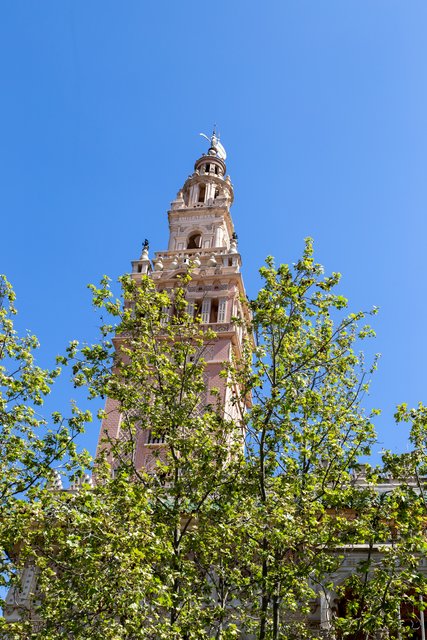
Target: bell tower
201,236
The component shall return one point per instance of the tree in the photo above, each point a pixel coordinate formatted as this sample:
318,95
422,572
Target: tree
32,447
220,541
306,433
86,546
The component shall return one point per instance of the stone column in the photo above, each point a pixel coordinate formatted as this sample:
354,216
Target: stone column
326,598
218,235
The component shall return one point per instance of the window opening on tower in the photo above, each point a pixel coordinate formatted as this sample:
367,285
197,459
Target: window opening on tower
214,311
209,310
202,193
194,241
155,438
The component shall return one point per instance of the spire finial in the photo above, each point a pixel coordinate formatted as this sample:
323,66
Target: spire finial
145,248
233,243
216,147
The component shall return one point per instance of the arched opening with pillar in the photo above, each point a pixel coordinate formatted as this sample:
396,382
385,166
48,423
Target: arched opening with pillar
195,240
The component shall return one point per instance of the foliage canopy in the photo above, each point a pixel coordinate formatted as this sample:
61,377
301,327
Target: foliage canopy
243,521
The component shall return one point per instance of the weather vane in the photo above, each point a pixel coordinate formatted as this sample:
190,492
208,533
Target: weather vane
215,143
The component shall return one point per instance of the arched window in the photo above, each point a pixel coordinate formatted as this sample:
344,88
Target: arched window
194,241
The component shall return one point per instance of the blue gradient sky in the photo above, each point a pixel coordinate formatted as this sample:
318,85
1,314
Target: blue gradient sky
321,106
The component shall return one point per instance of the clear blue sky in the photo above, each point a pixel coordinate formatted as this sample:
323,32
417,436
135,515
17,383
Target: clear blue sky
321,106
